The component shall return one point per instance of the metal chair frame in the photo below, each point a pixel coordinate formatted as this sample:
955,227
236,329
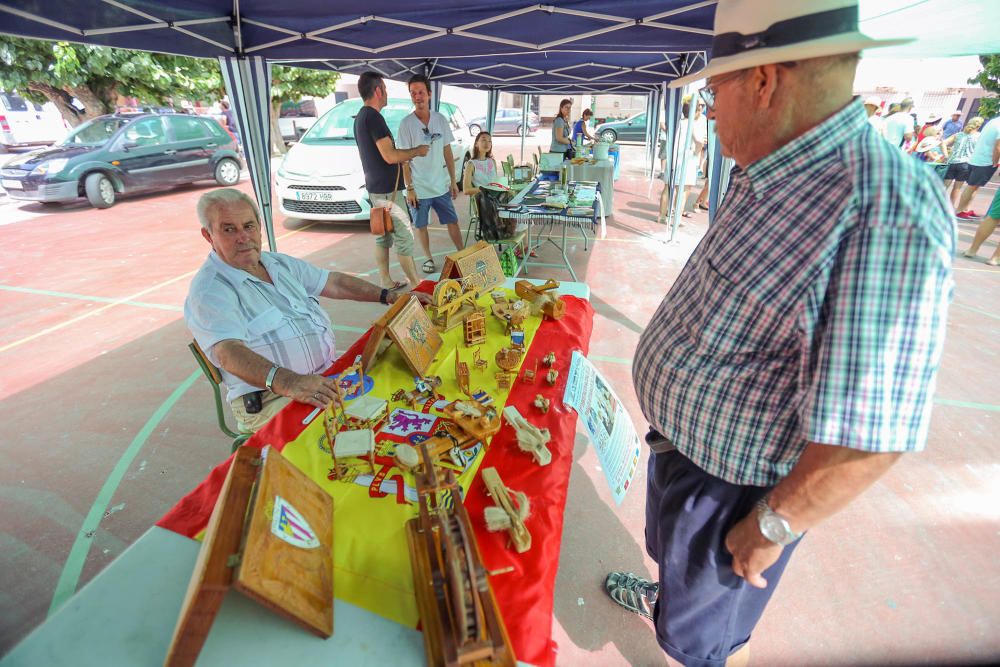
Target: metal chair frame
215,379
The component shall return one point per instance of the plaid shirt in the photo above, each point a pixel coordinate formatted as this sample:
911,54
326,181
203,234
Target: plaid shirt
812,311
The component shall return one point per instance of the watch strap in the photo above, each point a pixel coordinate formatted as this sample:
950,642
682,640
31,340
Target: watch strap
790,535
270,376
383,298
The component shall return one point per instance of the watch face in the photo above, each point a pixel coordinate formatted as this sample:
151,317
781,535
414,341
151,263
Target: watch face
773,527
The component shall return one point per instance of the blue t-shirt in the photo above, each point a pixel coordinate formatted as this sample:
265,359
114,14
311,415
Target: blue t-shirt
577,130
983,155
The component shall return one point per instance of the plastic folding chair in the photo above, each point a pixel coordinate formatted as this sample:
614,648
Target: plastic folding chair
215,379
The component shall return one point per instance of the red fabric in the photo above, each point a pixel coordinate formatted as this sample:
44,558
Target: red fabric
526,594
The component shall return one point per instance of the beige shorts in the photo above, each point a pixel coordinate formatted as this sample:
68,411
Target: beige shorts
271,404
402,235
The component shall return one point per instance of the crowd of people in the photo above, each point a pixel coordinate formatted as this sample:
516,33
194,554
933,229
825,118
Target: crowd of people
965,156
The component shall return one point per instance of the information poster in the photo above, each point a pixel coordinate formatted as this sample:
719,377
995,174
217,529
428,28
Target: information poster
607,423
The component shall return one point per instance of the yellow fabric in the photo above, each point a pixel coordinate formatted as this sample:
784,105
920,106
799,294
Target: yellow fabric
371,558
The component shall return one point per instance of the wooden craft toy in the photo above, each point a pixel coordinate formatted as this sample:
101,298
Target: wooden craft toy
271,538
479,363
542,403
473,418
458,612
477,264
511,510
503,380
542,297
358,444
508,358
408,326
552,376
424,390
516,337
512,314
366,412
406,456
474,328
462,374
499,296
451,303
530,373
549,359
530,438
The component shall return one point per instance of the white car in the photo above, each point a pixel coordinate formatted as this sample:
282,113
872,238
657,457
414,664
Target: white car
24,123
320,178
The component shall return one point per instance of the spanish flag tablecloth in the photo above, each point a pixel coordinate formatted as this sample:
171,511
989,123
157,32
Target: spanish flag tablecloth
371,561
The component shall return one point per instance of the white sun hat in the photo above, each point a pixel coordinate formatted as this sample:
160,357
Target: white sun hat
761,32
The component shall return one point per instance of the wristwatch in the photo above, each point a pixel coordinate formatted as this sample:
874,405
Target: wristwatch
773,526
383,297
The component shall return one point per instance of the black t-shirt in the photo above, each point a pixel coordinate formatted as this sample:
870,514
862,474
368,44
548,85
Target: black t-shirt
369,127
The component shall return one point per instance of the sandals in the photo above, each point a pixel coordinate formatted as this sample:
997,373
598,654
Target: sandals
428,266
636,594
397,285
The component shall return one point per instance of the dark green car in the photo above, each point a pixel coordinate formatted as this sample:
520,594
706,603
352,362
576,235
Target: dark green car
124,153
630,129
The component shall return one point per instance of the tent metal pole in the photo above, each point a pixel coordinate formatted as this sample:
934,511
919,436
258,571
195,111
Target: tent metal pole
715,173
524,122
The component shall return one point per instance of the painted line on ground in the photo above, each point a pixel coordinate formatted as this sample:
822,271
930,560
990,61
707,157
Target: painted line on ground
69,578
115,302
84,297
989,407
976,310
610,360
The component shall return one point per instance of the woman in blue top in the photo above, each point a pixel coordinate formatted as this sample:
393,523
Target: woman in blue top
560,129
580,127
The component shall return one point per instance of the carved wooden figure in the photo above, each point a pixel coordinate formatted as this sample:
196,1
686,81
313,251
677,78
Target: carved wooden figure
552,376
542,403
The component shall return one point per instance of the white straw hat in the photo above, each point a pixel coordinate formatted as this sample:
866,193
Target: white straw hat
761,32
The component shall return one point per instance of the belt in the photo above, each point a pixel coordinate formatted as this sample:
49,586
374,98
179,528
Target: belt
658,443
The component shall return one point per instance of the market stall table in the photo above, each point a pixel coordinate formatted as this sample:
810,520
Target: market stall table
126,614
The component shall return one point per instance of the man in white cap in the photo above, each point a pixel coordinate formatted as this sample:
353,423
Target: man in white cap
872,107
793,360
952,125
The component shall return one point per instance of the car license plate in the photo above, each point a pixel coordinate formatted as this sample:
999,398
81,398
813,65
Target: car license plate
314,196
11,184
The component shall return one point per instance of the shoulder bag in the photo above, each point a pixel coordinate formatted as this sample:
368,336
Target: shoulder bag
381,217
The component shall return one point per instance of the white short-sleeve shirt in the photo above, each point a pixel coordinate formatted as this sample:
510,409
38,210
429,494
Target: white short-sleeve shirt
430,172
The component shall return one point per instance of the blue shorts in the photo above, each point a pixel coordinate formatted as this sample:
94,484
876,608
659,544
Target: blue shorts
442,205
704,612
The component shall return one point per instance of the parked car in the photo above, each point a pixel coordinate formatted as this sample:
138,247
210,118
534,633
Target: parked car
630,129
320,177
507,121
123,153
24,123
295,119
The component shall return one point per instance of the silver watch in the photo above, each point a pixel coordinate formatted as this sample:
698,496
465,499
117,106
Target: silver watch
773,526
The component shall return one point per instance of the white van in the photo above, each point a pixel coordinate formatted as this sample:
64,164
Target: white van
24,123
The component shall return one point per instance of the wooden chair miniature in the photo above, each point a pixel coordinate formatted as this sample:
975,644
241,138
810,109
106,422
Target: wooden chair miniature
215,379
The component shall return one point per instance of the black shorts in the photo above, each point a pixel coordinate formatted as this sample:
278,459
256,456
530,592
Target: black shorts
980,176
958,172
704,612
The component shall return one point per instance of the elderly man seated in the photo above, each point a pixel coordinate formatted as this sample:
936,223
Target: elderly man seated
257,317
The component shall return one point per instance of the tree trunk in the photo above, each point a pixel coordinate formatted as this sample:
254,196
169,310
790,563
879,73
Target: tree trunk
277,143
93,105
61,99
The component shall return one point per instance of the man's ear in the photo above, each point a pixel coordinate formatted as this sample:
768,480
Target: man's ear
206,235
765,83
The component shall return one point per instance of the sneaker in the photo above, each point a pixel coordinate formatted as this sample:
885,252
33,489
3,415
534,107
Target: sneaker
967,215
634,593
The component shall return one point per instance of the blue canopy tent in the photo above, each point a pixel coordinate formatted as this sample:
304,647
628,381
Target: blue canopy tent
566,47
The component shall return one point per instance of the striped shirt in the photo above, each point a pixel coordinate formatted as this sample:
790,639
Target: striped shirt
283,322
812,311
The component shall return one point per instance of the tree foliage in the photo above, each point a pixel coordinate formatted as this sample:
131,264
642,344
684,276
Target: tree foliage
989,80
289,84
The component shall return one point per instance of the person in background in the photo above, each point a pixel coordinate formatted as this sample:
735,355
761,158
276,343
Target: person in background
687,184
933,120
872,107
793,361
230,117
960,147
929,149
430,180
382,164
580,128
899,125
952,125
986,227
482,168
561,141
983,164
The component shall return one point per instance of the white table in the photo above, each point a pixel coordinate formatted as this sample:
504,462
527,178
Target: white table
602,171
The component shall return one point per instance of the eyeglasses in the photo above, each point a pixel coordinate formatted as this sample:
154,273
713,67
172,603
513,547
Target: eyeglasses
707,94
431,136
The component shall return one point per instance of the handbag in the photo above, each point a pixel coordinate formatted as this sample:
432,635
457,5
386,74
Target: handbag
381,217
